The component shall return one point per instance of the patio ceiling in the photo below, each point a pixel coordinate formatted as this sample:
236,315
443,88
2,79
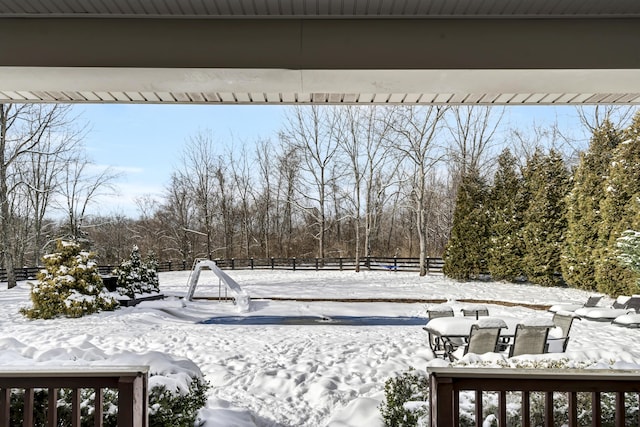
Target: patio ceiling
320,51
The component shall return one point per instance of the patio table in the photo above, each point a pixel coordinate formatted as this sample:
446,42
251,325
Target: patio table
455,330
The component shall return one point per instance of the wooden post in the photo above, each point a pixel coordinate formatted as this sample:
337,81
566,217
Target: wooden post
294,263
131,405
273,263
441,398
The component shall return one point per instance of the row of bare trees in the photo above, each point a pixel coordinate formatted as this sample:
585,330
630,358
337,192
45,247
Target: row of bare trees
43,171
339,181
346,181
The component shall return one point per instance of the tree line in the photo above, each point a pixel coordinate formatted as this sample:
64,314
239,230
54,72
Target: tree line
347,181
549,223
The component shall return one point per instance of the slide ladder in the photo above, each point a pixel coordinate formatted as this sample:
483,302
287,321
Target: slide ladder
241,298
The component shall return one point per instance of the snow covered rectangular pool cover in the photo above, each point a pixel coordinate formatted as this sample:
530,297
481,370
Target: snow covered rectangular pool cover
315,320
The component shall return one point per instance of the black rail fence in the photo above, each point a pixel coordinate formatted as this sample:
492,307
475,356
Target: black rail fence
434,265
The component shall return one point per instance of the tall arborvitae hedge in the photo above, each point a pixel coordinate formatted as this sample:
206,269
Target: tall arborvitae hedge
506,207
619,212
583,208
466,253
546,181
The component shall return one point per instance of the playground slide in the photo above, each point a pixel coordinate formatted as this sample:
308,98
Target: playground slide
241,297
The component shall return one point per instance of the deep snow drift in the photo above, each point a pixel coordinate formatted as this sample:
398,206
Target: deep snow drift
289,375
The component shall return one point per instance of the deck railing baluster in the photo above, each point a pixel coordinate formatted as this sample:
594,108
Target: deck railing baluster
52,407
27,409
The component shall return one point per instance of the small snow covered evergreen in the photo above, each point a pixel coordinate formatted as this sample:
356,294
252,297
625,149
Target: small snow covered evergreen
137,277
69,285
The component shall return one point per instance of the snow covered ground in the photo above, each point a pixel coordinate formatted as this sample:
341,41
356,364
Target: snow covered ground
290,375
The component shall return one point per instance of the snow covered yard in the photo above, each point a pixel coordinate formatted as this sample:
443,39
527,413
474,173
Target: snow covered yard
290,375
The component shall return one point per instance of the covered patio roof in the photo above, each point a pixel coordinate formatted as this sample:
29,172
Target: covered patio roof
502,52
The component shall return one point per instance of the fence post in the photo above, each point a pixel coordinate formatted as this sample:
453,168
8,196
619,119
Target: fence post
233,263
369,262
340,263
395,263
252,263
316,263
427,264
184,264
273,263
294,263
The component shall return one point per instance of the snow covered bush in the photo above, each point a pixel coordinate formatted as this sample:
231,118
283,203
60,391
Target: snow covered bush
136,277
68,286
406,400
168,408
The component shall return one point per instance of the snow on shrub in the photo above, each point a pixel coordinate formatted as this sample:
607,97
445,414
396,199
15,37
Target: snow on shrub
69,285
137,277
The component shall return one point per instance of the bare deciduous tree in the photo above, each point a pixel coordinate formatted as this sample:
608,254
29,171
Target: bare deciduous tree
82,184
31,136
472,130
416,129
313,132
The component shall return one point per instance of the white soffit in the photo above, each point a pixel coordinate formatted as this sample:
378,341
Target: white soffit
279,85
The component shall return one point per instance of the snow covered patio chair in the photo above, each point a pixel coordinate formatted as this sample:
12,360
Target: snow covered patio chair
530,338
434,312
622,305
483,338
592,301
558,337
475,310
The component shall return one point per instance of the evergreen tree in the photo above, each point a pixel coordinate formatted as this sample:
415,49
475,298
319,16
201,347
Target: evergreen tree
629,251
506,207
546,181
583,208
619,210
136,277
465,255
70,285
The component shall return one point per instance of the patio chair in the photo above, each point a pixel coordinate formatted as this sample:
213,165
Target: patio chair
439,311
592,301
483,338
529,339
435,343
622,305
475,311
559,336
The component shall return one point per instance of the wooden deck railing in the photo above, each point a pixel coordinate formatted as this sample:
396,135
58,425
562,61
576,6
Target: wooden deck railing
130,382
447,383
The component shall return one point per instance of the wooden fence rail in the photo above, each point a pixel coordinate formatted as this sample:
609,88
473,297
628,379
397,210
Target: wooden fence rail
446,384
129,381
294,263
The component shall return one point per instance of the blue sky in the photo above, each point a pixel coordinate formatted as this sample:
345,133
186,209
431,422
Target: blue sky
144,142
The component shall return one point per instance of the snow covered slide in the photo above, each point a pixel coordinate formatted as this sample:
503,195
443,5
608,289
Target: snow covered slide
241,297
